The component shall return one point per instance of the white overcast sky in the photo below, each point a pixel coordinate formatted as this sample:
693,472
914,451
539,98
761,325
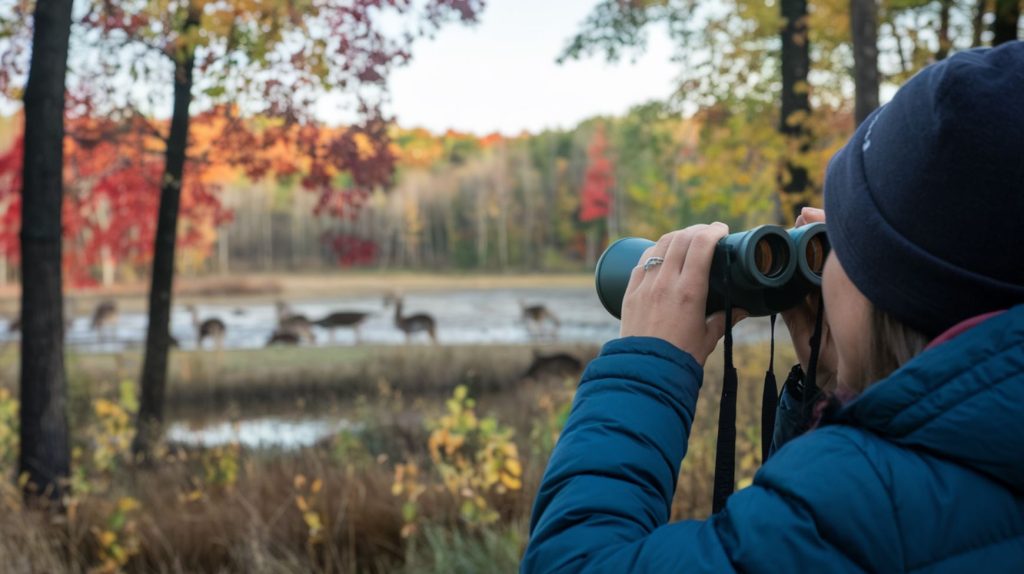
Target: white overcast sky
501,74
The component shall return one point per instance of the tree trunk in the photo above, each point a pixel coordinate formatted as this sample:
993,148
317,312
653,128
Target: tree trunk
481,230
944,41
107,266
1005,26
223,252
978,22
154,366
593,238
796,106
45,455
864,30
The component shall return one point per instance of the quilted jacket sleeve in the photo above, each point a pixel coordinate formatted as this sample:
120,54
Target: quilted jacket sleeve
605,499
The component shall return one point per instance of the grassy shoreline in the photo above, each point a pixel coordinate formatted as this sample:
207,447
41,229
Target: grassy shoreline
249,377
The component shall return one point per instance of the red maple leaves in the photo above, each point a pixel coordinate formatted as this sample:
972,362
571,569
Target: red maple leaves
111,196
595,200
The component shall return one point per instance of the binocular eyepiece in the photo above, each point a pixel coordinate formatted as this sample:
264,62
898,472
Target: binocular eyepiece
764,271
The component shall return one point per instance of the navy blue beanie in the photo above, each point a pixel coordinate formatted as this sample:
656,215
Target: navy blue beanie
925,203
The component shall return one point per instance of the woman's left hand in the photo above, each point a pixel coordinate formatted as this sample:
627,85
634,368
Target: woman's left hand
668,301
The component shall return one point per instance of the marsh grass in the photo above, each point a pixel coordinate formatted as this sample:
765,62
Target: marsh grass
333,507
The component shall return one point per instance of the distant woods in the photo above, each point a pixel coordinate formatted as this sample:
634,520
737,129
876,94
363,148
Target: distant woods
540,202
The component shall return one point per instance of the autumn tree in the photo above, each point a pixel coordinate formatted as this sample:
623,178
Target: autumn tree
595,197
45,453
731,59
265,58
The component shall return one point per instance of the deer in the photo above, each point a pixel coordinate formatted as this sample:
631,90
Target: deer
536,316
212,328
69,317
294,323
419,323
343,319
104,315
284,337
560,365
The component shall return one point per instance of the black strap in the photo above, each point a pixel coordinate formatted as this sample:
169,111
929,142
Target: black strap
725,453
769,400
811,390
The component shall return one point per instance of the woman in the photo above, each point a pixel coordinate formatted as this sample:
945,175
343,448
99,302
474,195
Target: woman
921,466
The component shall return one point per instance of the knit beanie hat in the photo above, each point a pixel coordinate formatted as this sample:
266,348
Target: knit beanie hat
925,203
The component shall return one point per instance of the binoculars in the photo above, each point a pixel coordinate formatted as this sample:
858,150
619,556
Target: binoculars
764,271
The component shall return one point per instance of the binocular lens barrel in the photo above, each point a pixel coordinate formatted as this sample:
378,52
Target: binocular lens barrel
764,270
771,255
811,241
814,254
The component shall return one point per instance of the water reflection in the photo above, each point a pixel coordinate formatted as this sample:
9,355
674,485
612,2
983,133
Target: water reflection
267,432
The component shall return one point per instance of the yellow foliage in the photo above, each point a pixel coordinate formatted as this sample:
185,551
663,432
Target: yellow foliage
311,506
472,457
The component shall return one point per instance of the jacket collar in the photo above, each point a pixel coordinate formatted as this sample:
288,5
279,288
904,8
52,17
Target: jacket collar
962,401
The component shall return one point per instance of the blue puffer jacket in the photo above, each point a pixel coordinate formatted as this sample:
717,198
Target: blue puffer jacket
924,472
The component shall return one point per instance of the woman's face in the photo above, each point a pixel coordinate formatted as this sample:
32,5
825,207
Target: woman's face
848,313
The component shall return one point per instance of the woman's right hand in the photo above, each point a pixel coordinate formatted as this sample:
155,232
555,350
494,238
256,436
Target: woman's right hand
800,321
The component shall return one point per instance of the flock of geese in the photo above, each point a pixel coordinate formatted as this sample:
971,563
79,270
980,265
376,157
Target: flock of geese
295,328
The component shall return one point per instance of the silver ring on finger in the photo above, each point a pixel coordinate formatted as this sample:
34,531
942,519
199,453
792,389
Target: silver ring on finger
653,262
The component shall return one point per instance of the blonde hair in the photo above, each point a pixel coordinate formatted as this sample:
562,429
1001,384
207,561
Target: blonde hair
892,345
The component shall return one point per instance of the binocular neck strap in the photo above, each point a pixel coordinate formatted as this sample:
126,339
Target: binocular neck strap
810,380
725,452
769,400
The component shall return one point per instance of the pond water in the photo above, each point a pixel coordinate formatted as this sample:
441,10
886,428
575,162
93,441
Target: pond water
463,317
264,432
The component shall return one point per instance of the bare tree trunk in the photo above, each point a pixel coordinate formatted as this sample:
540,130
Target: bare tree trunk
528,259
864,24
593,236
503,240
223,251
154,366
978,22
107,266
944,40
796,105
481,229
1004,28
45,455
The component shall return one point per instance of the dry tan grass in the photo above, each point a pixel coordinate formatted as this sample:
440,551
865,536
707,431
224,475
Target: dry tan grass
255,525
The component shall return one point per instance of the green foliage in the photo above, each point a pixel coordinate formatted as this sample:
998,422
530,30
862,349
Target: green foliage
8,432
494,550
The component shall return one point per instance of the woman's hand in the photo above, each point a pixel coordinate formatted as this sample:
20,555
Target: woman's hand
800,320
668,301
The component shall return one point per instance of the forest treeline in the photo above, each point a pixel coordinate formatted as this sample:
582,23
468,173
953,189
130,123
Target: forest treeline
532,202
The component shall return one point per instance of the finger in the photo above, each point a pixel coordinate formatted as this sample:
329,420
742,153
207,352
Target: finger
697,267
676,254
715,326
800,221
812,214
739,315
657,250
